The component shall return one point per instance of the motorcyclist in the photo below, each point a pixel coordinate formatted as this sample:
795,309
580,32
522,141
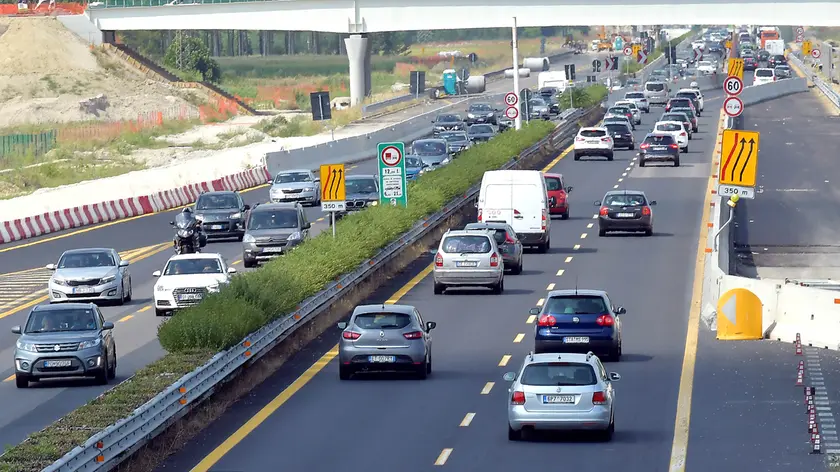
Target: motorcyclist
199,238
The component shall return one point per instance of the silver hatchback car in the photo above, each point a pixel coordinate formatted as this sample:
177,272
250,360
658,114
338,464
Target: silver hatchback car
469,258
385,338
562,392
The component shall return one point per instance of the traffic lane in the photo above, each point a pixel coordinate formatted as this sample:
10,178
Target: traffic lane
746,412
797,176
461,369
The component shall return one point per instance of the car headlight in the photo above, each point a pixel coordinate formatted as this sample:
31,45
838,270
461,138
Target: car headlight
90,343
213,288
374,203
248,238
106,279
294,236
161,288
199,217
470,115
26,346
444,162
490,115
309,189
59,281
236,215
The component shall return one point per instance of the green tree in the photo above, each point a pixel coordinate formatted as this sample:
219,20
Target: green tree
191,55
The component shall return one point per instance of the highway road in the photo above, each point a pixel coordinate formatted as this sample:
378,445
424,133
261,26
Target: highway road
456,418
146,242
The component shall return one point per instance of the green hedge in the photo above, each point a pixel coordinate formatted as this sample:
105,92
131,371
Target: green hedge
298,65
583,97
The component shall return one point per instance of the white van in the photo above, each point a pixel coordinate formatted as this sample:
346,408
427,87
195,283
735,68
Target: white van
764,75
520,199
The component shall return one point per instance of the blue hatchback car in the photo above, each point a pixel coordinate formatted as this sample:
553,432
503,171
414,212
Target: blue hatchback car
576,320
413,166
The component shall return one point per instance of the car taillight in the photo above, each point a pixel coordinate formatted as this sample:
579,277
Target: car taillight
644,146
683,134
508,239
673,146
605,320
606,139
667,107
350,335
580,139
598,398
439,260
561,196
413,335
544,221
479,215
518,398
494,260
604,211
547,320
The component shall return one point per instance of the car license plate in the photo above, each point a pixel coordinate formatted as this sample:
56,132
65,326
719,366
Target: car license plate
62,363
84,290
625,215
568,399
466,264
591,141
658,148
272,249
576,340
189,296
382,359
215,227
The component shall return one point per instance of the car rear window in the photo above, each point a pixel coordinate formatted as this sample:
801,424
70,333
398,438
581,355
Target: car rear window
498,233
382,321
593,133
619,110
674,117
764,73
688,111
635,95
582,304
559,374
660,140
618,128
668,127
654,87
680,102
429,148
466,244
553,183
687,95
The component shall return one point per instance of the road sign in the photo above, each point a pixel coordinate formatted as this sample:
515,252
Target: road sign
511,99
628,51
697,54
636,49
511,113
613,63
799,38
618,43
739,316
806,48
800,31
392,184
733,190
728,44
643,57
733,106
596,66
816,53
733,86
736,68
608,63
570,71
333,192
739,158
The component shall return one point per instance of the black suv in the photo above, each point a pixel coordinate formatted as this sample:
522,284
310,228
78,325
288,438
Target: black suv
481,113
448,122
222,214
622,135
659,148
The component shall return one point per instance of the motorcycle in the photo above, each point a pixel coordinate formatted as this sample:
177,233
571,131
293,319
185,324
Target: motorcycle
189,238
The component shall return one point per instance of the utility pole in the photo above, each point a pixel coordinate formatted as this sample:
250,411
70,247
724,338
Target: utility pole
518,121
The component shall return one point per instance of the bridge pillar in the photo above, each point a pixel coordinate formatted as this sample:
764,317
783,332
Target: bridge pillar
358,53
109,37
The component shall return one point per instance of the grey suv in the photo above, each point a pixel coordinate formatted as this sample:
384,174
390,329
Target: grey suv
221,214
68,340
271,230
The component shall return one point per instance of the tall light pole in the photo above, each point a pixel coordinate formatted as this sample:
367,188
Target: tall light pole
518,121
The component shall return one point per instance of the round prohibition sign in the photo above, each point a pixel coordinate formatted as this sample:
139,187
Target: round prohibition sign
628,51
511,113
816,53
733,106
733,85
511,99
391,156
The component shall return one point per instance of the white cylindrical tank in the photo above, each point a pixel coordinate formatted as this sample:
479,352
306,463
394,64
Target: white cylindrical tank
536,63
476,84
523,73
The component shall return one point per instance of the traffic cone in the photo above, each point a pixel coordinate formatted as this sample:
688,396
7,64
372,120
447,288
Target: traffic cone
812,422
816,444
798,339
800,380
798,349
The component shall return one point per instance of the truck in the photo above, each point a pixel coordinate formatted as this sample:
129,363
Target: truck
556,79
775,46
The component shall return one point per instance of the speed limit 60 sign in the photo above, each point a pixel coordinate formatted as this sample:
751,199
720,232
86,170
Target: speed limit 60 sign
733,85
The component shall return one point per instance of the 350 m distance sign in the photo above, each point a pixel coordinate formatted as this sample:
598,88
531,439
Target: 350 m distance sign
733,85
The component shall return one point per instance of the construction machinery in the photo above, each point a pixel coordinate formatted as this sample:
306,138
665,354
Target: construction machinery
604,43
454,84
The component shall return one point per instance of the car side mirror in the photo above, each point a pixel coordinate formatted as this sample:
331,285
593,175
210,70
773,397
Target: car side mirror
231,270
433,121
614,377
246,207
475,204
317,179
16,329
50,266
534,311
510,376
123,263
107,325
569,189
172,223
653,203
156,273
342,325
430,325
552,201
620,310
598,203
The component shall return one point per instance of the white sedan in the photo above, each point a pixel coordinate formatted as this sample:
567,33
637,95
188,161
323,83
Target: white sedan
705,67
675,129
187,278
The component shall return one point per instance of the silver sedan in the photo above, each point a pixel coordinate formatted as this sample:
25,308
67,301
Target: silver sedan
87,275
300,185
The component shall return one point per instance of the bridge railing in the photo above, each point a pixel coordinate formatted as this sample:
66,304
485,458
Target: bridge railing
159,3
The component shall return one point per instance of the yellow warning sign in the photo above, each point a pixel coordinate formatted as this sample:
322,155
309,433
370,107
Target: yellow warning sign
806,48
736,68
739,157
739,316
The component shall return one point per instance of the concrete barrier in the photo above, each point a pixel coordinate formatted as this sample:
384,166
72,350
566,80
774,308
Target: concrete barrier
761,93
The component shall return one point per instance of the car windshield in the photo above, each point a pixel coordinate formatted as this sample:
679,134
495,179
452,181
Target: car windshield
466,245
537,102
216,202
659,140
618,111
429,148
680,102
413,162
764,73
65,319
78,260
592,133
192,266
481,129
635,95
448,118
360,186
480,107
553,184
382,320
560,374
267,219
655,87
688,95
628,105
290,177
576,304
454,137
548,91
675,117
668,127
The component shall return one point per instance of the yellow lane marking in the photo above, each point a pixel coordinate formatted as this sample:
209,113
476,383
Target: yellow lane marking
9,378
560,272
21,272
679,448
321,218
145,308
582,235
240,434
505,360
540,302
519,337
550,287
576,247
105,225
531,319
444,456
467,420
557,159
125,318
568,259
238,261
487,387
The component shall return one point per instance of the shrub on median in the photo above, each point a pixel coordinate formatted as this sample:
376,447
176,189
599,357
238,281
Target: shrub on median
255,298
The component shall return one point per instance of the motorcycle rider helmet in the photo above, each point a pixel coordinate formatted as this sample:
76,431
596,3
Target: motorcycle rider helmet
186,210
694,85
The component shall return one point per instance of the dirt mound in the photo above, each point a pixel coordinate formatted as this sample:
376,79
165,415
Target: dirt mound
46,70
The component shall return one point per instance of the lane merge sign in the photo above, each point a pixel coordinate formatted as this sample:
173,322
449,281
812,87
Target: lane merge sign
733,86
392,178
739,158
333,190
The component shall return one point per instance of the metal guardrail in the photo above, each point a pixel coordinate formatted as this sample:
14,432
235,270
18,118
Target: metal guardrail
823,284
106,449
825,88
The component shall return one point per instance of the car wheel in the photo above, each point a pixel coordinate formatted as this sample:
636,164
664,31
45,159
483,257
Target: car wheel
21,381
649,232
499,288
685,150
607,434
602,232
160,312
677,162
632,147
564,216
577,157
429,365
423,370
249,263
514,435
641,162
689,136
344,373
240,237
130,291
439,289
112,368
102,376
517,269
610,156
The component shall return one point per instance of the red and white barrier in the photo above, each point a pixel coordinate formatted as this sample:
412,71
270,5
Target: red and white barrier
102,212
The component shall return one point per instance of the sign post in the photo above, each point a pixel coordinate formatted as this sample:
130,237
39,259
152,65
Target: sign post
392,184
738,163
333,192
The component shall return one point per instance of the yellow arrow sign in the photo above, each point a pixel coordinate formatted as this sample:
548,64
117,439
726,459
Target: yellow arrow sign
806,48
636,49
736,68
739,316
739,158
728,44
332,183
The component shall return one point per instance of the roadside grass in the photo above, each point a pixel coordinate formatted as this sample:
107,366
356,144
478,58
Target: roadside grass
282,127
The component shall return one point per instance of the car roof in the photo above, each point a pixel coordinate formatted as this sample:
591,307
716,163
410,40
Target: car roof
364,309
365,176
196,255
274,206
460,232
486,225
554,357
61,306
672,122
218,192
294,171
88,249
567,292
437,140
596,128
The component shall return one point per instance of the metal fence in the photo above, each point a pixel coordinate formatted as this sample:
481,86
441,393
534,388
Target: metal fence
31,143
106,449
824,87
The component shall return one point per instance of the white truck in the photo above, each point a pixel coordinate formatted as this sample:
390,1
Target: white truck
555,79
775,46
